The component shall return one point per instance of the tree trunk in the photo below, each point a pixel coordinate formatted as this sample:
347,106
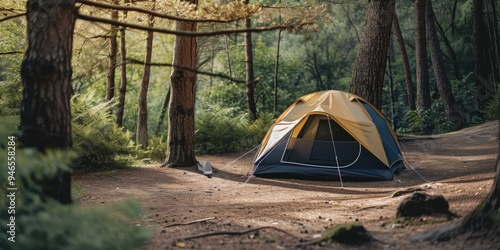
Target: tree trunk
46,77
423,87
485,86
163,111
406,63
442,82
250,80
123,84
276,69
369,67
142,117
181,140
113,48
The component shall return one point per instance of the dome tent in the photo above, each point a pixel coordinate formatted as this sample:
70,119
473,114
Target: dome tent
326,134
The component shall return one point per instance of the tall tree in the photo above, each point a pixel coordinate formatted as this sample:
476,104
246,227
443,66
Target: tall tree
113,50
180,139
142,117
369,67
423,87
46,76
250,78
123,79
485,86
442,82
163,111
406,63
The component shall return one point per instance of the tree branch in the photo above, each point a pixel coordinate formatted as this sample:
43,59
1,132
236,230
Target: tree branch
153,13
236,233
13,16
10,53
188,33
135,61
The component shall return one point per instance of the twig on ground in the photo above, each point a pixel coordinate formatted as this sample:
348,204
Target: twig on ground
236,233
189,222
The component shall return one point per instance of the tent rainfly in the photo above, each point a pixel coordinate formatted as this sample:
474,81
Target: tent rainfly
330,135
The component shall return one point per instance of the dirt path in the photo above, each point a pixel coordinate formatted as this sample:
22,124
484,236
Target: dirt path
457,165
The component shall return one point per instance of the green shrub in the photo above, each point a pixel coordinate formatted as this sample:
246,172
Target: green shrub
50,225
157,146
491,111
99,142
224,130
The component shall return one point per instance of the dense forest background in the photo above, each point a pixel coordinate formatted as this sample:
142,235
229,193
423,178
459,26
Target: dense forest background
122,56
287,64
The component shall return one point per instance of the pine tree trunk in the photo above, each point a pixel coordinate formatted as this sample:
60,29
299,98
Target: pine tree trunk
276,70
485,86
142,117
181,139
442,82
423,87
250,80
46,77
406,64
113,49
163,111
123,84
369,67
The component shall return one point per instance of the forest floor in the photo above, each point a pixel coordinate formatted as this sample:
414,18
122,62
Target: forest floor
180,203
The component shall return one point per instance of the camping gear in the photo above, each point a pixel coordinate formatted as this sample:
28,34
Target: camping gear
330,135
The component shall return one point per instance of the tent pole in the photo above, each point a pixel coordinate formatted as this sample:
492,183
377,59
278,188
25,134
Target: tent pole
335,152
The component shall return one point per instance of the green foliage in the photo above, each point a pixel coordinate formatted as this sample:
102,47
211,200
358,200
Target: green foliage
491,111
433,120
51,225
99,142
222,130
157,146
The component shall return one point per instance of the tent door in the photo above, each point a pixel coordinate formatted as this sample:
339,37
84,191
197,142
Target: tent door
313,144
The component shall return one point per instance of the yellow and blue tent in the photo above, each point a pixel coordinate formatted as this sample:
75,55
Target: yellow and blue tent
330,135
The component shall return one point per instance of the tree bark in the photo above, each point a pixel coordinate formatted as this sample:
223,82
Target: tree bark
406,63
113,49
485,86
123,80
276,69
46,77
369,67
442,82
163,111
250,79
423,87
181,139
142,117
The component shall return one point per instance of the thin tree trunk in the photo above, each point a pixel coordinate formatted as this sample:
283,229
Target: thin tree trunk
406,63
485,87
250,80
369,67
46,77
123,84
442,82
142,118
423,87
113,49
495,42
181,138
227,56
163,111
451,52
276,70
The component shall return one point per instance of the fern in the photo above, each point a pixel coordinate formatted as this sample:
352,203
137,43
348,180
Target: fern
99,142
50,225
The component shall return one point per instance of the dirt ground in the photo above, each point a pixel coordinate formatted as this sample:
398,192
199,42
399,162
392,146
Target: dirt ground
181,203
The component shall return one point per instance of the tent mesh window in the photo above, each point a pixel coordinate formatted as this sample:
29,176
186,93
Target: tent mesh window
314,144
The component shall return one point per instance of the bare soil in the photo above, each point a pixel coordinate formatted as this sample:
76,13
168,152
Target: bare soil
181,203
